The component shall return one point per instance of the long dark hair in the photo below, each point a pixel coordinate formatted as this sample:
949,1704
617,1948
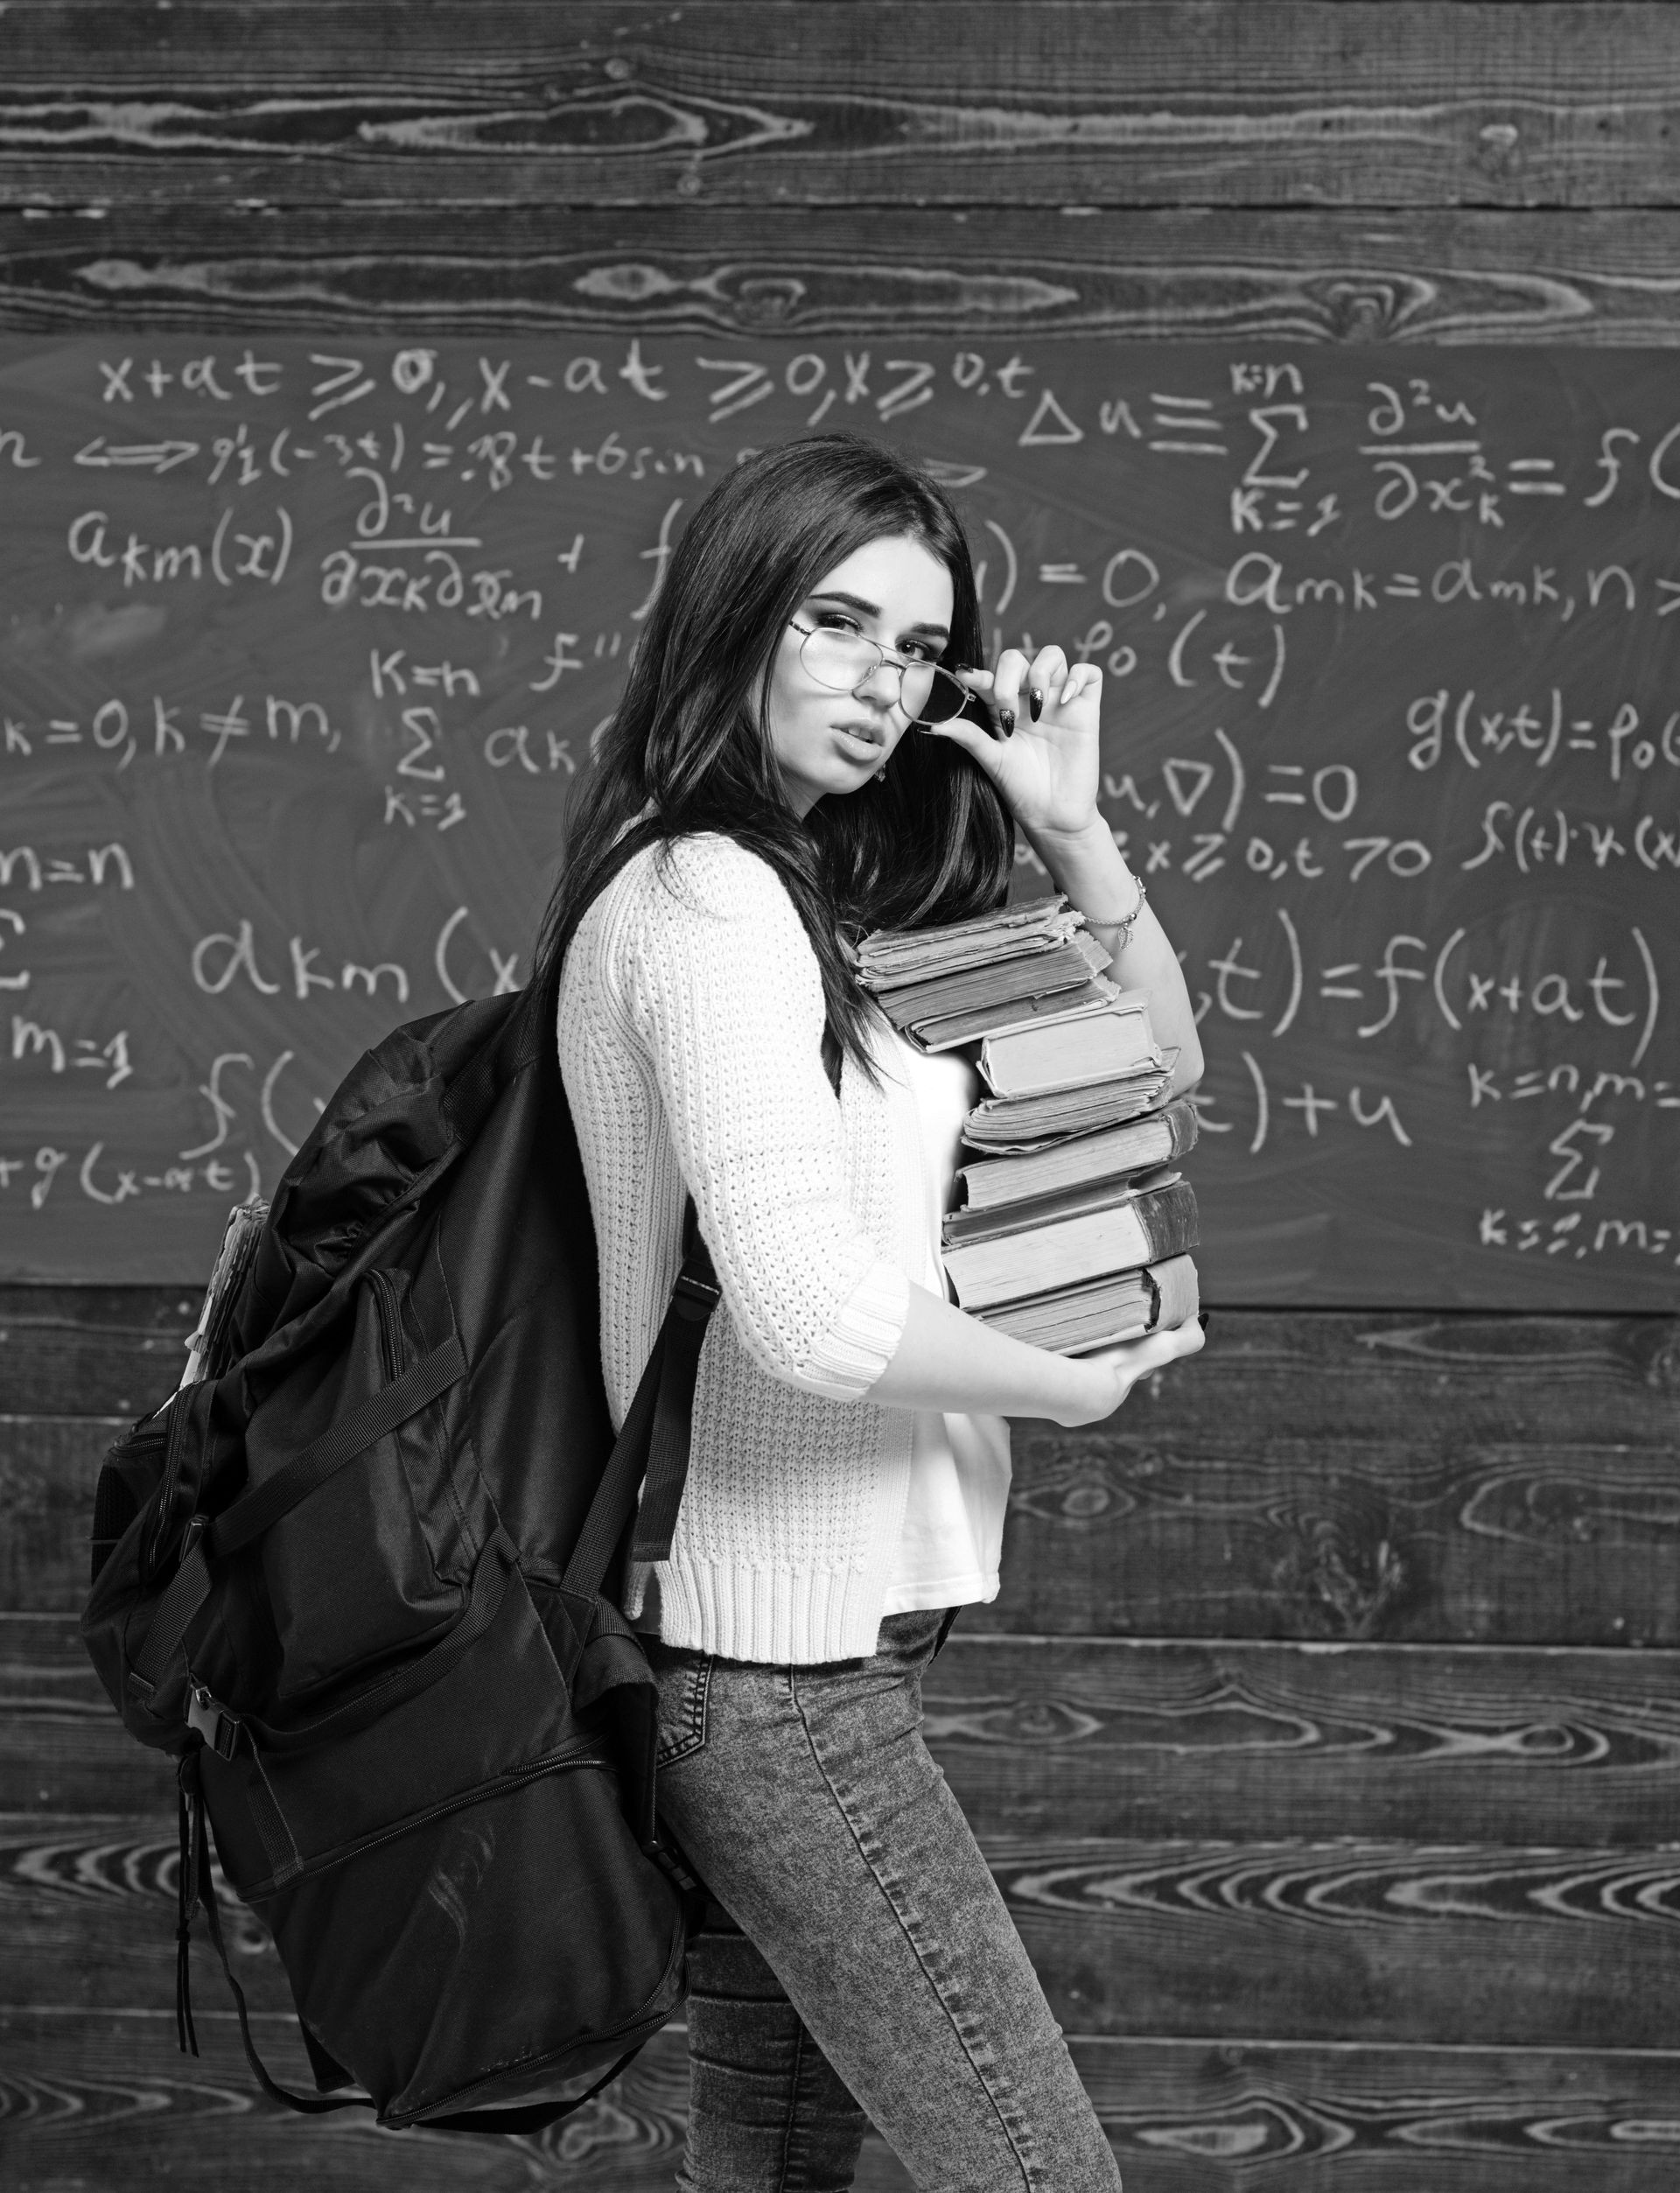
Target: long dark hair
690,741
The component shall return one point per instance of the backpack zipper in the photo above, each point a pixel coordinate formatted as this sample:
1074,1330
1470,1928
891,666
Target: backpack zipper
461,2101
579,1754
388,1321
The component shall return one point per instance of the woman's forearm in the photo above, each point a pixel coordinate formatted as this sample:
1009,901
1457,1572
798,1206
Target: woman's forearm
947,1360
1090,870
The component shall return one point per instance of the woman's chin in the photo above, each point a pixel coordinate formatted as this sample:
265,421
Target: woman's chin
849,772
836,774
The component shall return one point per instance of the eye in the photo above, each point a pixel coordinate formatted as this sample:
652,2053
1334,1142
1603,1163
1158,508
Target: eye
835,620
920,651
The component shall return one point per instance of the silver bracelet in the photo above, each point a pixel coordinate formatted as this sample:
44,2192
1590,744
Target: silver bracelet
1124,926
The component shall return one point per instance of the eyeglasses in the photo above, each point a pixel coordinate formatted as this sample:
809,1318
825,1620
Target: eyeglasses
842,661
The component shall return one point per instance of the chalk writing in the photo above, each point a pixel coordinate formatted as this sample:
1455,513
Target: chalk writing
310,645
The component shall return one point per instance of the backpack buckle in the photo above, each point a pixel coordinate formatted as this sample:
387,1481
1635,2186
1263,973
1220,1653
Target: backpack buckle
702,1292
219,1728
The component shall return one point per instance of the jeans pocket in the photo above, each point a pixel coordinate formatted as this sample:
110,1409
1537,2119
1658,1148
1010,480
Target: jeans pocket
684,1686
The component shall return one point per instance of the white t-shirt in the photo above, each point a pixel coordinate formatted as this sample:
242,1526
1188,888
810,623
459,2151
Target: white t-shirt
953,1534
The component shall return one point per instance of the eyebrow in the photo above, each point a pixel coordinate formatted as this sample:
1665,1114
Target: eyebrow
872,609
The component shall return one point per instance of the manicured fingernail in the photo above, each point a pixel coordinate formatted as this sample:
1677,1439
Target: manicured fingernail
1067,692
1035,702
1006,717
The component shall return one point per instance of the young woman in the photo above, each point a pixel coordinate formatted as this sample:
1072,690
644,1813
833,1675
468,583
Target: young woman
787,771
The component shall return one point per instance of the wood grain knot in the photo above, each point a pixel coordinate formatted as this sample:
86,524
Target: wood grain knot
767,301
1660,1357
1496,149
1372,310
1073,1482
1251,2132
1344,1582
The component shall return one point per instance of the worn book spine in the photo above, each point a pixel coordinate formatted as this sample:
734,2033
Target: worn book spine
1019,1124
1160,1224
1136,1148
1035,1212
884,953
952,1029
1081,1318
1067,1053
1180,1118
1102,1314
1178,1292
930,967
1157,1138
1032,975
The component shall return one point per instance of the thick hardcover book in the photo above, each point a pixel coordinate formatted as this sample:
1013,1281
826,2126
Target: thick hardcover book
959,1227
1064,966
1090,1043
887,958
1119,1237
1012,1125
1101,1313
1158,1138
954,1029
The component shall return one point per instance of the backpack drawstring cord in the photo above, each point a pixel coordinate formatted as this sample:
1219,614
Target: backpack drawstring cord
190,1802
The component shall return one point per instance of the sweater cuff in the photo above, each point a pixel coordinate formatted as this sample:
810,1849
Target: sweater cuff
864,1337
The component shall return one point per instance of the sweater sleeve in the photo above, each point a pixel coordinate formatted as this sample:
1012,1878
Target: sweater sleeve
717,975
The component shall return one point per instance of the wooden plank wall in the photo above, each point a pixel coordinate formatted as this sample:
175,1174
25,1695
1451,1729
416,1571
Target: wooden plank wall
1327,1738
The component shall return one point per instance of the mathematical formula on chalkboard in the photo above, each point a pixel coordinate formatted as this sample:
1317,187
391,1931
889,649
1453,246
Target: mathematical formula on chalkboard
304,648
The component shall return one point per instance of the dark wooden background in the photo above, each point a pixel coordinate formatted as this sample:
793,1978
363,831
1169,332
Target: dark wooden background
1326,1737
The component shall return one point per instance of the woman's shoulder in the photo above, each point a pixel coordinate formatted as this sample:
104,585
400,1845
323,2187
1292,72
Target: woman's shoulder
705,874
695,916
700,901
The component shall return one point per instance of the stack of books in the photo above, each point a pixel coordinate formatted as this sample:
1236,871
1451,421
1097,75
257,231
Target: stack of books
1072,1227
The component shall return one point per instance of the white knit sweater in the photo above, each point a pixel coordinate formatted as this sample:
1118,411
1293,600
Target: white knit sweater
691,1028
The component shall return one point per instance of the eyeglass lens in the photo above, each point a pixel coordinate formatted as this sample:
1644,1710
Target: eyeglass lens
843,660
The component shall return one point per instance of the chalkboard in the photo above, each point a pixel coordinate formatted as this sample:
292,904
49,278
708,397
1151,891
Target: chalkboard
304,647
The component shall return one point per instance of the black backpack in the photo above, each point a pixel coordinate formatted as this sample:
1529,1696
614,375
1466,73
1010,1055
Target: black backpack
356,1581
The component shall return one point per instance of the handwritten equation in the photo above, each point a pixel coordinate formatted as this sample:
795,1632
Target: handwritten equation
306,650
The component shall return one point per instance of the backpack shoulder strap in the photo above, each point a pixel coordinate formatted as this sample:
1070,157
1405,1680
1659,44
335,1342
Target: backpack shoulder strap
654,1442
694,1297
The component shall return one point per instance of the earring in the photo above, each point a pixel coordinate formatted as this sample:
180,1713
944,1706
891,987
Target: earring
881,774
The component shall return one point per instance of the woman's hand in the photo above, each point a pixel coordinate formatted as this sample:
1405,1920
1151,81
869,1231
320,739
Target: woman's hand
946,1359
1111,1373
1046,766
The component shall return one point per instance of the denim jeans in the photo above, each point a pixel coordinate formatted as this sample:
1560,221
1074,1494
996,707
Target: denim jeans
857,1944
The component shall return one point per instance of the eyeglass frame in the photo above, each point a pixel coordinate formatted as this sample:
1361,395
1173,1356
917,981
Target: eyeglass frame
859,639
